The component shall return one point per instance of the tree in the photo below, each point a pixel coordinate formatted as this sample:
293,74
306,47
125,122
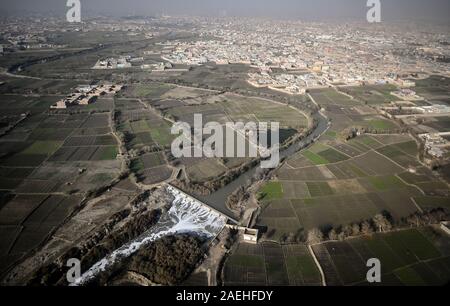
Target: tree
291,238
366,228
382,224
347,231
333,235
356,230
315,236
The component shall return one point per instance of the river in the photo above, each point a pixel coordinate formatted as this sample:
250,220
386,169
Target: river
218,199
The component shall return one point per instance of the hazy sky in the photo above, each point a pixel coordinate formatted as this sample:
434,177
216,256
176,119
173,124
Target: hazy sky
294,9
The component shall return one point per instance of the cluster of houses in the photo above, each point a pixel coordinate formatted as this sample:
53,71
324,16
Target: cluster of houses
406,94
85,95
117,63
434,144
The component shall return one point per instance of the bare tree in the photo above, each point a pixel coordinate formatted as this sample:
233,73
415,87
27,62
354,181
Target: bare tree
347,231
356,230
333,235
382,223
366,228
315,236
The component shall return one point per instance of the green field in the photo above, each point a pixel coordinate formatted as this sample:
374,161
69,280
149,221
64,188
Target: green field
270,191
43,148
380,124
408,257
386,182
153,90
316,159
373,94
271,264
107,153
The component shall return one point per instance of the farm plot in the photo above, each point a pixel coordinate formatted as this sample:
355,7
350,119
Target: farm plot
246,266
16,104
408,257
294,190
153,160
186,93
50,134
270,191
62,121
18,209
372,95
320,154
391,139
398,153
434,88
304,174
376,164
330,98
93,153
151,168
148,91
206,169
298,161
42,221
348,150
234,108
156,175
78,141
300,266
149,131
39,147
431,202
10,178
440,124
270,264
420,175
96,121
330,205
377,124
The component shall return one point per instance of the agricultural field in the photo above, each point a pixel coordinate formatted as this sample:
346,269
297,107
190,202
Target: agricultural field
206,169
235,108
435,89
371,95
338,182
272,190
26,221
147,91
415,257
378,124
142,125
49,162
320,154
151,168
330,97
272,265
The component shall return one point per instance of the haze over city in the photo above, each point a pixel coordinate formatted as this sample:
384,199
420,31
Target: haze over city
435,10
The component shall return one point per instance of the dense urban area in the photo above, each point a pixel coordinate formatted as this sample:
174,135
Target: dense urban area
87,172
